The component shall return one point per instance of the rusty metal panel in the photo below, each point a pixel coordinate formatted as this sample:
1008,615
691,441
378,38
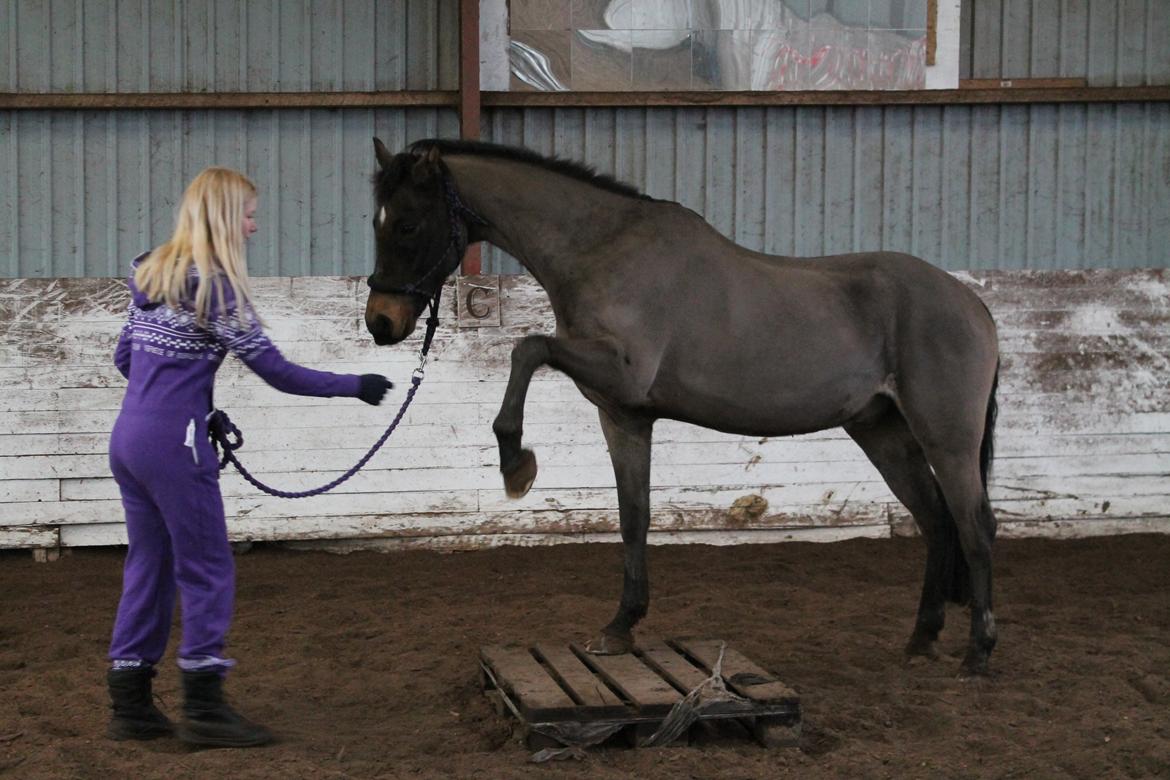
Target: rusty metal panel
228,45
1107,42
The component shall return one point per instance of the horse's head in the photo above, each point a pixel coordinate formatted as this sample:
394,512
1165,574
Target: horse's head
419,239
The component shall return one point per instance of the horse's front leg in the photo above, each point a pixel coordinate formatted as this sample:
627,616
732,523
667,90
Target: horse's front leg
592,363
517,464
628,437
598,366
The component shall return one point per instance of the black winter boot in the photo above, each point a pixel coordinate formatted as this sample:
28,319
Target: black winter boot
207,718
131,698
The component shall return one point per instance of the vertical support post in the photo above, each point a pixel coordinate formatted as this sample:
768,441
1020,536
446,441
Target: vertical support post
469,98
931,32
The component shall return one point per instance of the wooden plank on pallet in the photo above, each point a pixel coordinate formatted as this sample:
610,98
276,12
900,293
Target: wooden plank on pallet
531,688
741,674
674,668
648,692
643,690
580,681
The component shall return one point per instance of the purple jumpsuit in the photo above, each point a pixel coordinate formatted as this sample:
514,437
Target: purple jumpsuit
168,476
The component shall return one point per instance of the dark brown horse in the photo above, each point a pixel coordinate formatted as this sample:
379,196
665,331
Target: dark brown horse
660,316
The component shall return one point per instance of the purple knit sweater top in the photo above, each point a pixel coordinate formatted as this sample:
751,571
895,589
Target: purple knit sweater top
170,361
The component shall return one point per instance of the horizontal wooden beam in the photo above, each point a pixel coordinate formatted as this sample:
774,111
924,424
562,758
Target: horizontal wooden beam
224,100
1023,83
305,100
825,97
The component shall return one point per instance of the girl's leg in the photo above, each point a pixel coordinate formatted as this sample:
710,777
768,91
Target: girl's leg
147,607
203,566
205,572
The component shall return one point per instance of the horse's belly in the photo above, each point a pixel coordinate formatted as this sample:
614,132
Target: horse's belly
765,403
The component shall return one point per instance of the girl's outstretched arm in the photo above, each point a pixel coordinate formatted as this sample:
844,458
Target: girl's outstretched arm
245,338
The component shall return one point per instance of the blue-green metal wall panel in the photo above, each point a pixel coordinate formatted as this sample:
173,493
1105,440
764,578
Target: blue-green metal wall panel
1045,186
1110,43
126,46
966,187
83,192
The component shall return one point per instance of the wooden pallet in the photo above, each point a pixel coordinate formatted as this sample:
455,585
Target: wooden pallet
556,690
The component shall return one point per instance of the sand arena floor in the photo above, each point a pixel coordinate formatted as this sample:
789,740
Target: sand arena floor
365,664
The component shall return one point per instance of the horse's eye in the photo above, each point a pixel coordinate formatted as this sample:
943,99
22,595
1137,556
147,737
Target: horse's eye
407,228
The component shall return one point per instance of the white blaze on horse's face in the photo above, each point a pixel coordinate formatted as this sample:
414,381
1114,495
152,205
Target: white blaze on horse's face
381,216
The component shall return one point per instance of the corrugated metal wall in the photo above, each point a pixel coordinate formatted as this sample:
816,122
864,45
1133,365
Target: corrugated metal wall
83,192
228,45
292,45
1111,43
1067,186
1046,186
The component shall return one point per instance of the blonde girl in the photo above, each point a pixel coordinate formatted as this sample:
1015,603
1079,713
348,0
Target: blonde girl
190,305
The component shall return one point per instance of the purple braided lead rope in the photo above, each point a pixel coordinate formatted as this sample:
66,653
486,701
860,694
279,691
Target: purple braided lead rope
221,426
227,427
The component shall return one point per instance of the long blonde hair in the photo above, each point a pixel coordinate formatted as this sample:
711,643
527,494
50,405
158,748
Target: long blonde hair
209,235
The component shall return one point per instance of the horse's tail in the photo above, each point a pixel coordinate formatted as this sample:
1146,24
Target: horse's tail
987,448
956,577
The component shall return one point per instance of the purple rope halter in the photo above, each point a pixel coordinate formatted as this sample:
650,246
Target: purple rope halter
221,427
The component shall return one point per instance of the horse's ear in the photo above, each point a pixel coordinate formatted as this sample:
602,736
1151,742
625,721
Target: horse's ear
383,154
426,167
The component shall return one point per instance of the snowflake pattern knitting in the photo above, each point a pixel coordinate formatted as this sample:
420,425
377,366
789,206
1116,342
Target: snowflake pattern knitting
174,333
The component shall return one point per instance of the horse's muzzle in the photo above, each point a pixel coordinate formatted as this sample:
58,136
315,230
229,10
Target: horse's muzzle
390,318
382,329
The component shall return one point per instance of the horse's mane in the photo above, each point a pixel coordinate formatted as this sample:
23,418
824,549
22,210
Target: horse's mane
570,168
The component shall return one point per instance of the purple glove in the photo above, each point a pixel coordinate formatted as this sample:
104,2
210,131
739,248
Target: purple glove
373,388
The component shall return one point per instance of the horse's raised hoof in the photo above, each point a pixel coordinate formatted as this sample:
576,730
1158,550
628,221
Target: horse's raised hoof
520,475
610,644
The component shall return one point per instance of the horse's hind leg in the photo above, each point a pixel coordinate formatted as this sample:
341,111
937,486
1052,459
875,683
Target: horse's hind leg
891,447
955,436
629,437
962,484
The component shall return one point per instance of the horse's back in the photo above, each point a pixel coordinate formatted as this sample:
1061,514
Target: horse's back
913,290
889,295
931,323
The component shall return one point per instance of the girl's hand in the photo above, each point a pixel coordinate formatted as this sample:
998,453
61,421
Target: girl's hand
373,388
